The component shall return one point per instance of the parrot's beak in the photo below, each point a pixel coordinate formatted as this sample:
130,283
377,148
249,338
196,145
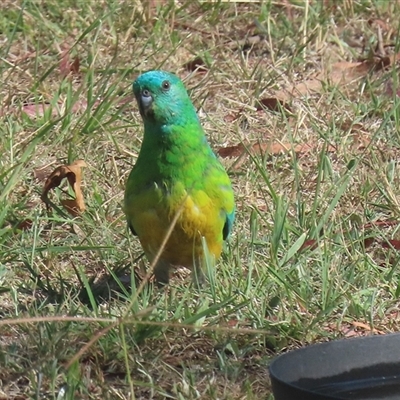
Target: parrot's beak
145,102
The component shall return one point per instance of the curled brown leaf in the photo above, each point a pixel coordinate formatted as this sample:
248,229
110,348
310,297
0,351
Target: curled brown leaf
73,174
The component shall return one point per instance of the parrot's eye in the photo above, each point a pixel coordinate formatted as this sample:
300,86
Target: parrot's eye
166,85
146,93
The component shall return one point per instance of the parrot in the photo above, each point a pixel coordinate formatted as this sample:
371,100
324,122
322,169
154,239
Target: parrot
177,185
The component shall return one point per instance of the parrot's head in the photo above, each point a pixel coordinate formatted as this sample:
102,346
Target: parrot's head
162,98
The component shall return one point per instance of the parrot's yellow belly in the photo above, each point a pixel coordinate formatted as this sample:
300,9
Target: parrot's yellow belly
198,216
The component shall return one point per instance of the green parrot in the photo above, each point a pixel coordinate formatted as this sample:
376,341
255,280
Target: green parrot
176,177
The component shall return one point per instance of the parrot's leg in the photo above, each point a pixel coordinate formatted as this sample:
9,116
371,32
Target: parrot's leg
198,276
161,272
204,266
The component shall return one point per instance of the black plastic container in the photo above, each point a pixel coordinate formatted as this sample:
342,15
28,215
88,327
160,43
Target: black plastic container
365,368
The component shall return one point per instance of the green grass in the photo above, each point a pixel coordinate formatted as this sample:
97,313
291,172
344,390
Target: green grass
77,321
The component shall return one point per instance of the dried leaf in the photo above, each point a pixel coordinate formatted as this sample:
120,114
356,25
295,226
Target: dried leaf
392,88
361,325
368,242
310,243
24,225
41,173
391,243
125,100
38,110
349,332
197,65
73,174
34,110
273,104
289,9
273,148
75,66
231,151
66,66
231,117
381,223
379,22
360,142
149,9
73,206
330,6
350,126
190,27
340,73
247,43
233,322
